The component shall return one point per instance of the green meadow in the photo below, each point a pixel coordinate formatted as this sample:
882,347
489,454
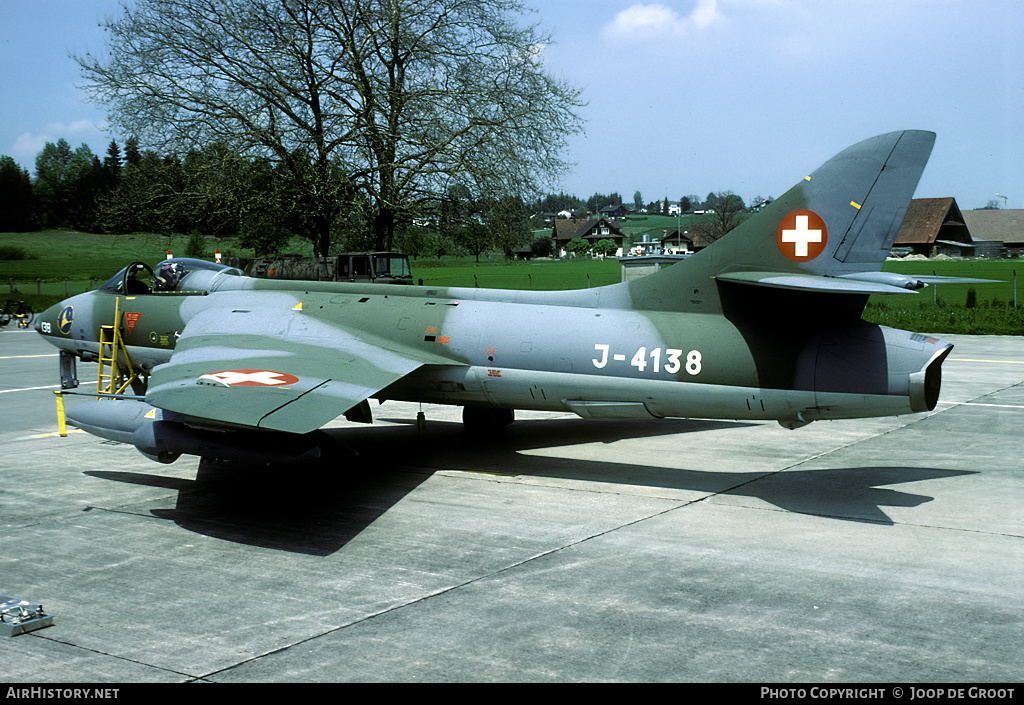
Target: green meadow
44,266
542,275
969,309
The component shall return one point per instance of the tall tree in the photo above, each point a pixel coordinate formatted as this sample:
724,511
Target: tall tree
405,97
111,171
66,184
132,155
147,196
16,199
86,184
507,219
53,182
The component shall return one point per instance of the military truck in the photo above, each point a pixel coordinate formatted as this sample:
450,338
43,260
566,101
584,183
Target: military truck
375,267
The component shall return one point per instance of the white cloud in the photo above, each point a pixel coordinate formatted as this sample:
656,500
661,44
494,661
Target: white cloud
659,21
28,144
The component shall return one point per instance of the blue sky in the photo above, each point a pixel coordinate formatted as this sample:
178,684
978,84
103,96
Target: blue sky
684,96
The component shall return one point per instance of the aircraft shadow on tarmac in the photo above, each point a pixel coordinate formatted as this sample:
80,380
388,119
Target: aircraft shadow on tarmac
316,509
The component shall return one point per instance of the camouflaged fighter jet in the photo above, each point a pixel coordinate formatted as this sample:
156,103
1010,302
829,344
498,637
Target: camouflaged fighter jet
763,324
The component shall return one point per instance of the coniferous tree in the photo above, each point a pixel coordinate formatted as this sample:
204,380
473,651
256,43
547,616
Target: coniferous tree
16,198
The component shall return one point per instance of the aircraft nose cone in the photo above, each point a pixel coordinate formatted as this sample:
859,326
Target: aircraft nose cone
46,322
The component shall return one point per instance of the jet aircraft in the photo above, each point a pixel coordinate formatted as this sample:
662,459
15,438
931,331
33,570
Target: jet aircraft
764,324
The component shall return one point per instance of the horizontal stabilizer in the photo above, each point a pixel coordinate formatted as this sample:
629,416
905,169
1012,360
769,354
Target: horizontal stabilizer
856,283
929,279
811,282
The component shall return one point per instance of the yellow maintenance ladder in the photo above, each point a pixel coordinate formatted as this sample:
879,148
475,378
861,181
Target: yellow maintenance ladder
116,371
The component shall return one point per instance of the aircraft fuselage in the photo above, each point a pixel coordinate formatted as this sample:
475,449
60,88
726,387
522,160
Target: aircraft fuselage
764,323
542,353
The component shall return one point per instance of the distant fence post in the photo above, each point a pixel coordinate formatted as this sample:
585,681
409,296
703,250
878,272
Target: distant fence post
39,286
65,286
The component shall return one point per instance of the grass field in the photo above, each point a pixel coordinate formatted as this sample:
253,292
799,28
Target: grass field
57,254
88,260
1001,271
990,319
542,275
968,309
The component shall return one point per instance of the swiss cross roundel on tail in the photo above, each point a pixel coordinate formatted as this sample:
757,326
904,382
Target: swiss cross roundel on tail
802,235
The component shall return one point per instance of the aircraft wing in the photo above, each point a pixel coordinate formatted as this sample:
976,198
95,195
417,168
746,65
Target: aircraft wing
278,372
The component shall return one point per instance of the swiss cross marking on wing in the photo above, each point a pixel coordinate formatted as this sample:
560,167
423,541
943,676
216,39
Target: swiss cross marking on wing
251,378
802,235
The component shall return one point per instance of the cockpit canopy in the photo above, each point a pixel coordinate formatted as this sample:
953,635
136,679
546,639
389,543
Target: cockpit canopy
180,275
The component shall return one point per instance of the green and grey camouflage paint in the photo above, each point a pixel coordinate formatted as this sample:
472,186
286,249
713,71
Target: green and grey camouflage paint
763,324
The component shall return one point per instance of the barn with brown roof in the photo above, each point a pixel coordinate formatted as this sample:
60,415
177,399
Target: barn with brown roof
934,226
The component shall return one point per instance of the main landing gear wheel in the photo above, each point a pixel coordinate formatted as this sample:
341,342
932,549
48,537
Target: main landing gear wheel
485,420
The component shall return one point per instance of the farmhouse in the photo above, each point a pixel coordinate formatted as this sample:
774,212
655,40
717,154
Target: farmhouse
997,232
937,226
614,211
675,242
592,230
934,226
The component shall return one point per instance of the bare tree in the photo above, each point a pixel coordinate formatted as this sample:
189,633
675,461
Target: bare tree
398,98
726,208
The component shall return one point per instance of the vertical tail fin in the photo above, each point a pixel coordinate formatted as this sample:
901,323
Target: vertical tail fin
840,221
861,195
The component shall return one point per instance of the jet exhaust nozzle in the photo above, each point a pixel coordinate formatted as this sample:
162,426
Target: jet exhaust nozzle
925,385
872,367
